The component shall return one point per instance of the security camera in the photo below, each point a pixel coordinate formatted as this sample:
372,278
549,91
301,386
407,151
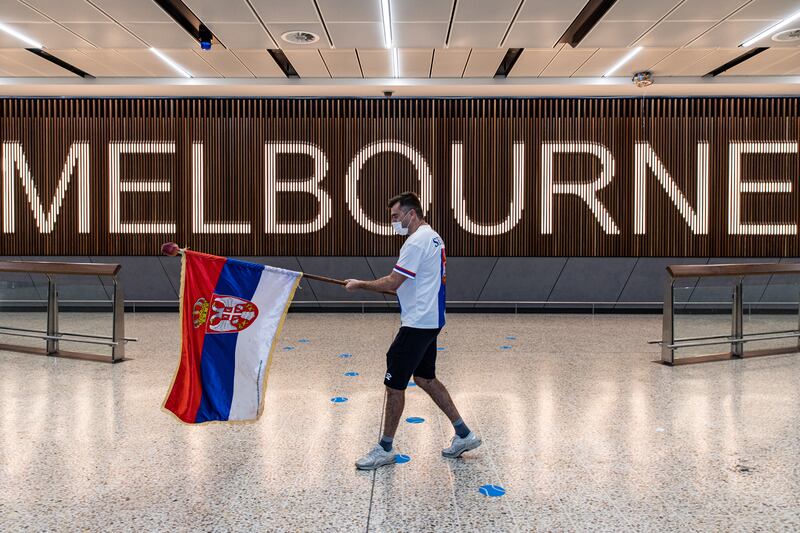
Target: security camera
643,79
388,94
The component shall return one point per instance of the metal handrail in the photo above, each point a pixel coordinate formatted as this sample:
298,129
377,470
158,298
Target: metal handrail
68,334
52,336
729,339
737,338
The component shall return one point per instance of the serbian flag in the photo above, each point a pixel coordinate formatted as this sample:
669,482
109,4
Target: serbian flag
231,316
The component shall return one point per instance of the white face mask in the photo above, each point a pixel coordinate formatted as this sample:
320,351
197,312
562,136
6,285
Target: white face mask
398,226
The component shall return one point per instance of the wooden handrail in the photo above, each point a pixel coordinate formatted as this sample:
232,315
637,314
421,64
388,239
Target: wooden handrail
47,267
741,269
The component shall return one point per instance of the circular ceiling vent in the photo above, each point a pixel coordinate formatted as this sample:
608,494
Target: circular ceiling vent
787,35
300,37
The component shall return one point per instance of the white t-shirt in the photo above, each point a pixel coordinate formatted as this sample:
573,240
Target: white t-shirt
422,296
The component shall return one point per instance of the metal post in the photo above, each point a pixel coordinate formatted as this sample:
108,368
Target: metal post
118,327
52,317
737,329
668,325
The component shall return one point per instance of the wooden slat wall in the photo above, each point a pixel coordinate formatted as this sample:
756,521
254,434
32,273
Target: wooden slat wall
233,133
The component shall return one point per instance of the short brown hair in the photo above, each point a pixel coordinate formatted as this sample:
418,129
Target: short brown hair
407,200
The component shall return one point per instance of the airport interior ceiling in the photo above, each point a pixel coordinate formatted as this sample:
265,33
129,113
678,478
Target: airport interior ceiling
407,48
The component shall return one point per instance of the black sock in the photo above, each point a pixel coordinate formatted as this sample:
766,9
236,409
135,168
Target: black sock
386,443
461,428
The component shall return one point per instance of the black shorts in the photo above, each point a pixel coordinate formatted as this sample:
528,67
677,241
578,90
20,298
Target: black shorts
413,352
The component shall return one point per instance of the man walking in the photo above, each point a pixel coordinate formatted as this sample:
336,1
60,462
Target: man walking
419,279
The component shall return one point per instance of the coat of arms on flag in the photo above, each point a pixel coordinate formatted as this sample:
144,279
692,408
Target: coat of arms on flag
231,316
228,313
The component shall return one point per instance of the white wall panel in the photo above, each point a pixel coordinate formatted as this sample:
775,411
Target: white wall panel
260,63
356,34
449,63
376,63
477,34
414,63
68,10
308,63
162,34
51,35
225,11
532,62
281,11
567,61
242,35
351,10
729,34
536,34
342,63
421,10
224,62
483,63
105,34
674,33
608,34
419,34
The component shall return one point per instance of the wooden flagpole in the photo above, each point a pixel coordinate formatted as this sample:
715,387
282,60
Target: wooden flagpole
172,249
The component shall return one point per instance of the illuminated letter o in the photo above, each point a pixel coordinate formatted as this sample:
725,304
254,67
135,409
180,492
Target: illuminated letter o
353,175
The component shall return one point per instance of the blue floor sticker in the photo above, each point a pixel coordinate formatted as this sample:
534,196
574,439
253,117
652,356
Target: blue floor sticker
288,348
400,458
492,490
412,384
351,374
505,347
338,399
345,355
415,420
440,348
511,338
304,341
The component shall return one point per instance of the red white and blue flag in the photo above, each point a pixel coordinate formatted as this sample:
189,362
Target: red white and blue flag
231,316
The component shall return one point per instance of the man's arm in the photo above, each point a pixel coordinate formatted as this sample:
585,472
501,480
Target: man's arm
386,283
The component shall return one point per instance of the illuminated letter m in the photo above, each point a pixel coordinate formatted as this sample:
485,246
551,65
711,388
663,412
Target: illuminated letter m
14,162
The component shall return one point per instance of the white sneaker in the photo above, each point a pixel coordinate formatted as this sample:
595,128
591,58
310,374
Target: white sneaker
460,445
376,458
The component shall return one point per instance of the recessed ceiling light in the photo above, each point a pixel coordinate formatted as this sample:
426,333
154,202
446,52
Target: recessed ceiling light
179,69
14,33
622,61
386,15
772,29
300,37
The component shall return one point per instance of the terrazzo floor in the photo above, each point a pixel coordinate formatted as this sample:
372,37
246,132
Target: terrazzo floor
581,429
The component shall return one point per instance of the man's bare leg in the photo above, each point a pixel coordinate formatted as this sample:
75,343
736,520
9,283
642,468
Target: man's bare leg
382,454
464,440
438,393
395,402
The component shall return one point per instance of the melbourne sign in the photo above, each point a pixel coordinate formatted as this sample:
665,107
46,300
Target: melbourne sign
692,177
